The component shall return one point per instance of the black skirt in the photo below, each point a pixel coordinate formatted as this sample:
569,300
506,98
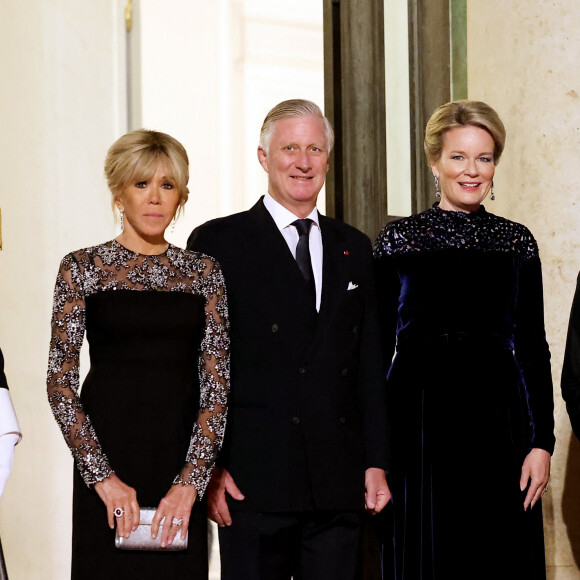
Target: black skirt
142,396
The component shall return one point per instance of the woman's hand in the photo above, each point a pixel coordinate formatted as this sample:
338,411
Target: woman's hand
115,494
536,469
176,505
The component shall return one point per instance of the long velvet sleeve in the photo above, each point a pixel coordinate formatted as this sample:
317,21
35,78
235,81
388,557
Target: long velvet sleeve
533,354
388,287
370,379
571,369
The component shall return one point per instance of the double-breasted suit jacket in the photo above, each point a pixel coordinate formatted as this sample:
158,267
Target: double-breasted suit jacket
307,404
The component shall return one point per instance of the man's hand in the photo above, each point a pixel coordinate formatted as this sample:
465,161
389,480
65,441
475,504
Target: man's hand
377,494
217,507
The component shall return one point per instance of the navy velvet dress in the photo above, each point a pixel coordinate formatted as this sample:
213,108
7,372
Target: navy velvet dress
470,392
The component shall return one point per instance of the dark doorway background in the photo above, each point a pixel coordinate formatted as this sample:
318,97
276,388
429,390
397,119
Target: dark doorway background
355,79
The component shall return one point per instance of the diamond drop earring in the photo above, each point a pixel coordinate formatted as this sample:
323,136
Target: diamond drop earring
437,192
122,220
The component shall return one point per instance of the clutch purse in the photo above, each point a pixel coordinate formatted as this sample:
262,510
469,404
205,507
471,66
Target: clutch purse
141,538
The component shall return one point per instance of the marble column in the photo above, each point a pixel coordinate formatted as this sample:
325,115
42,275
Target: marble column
523,61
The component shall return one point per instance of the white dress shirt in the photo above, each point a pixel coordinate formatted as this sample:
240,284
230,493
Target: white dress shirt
283,219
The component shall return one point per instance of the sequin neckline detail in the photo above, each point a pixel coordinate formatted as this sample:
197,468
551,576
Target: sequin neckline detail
123,248
112,267
439,229
480,213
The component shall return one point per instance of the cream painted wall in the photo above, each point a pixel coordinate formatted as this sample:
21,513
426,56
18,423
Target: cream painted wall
219,69
180,92
397,107
59,111
523,60
210,72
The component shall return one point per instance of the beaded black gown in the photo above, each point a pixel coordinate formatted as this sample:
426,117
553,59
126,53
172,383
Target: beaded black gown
470,393
153,405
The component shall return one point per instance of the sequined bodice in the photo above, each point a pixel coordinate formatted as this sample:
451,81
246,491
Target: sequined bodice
110,268
447,271
447,278
438,229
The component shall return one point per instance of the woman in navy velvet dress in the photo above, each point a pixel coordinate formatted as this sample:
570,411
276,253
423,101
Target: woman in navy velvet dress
470,387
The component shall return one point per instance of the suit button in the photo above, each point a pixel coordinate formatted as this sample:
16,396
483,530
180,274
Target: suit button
355,329
342,420
274,328
344,372
302,370
295,420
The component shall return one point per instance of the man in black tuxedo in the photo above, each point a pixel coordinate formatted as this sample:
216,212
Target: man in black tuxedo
306,427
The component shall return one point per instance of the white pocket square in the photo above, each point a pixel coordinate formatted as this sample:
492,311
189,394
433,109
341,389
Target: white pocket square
352,286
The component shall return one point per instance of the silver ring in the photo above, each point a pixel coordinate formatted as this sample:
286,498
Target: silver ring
545,489
119,512
177,522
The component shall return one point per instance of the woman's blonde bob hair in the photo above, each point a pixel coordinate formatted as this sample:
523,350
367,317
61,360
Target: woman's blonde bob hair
135,156
461,114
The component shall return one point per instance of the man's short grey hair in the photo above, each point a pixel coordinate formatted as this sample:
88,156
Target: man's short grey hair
289,109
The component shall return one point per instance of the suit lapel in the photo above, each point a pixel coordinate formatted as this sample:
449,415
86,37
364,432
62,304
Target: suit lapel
279,274
335,275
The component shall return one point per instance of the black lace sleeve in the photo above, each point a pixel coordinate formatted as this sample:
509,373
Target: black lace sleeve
214,374
68,328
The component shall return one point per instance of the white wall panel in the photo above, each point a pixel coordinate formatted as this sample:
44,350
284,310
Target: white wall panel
209,73
59,112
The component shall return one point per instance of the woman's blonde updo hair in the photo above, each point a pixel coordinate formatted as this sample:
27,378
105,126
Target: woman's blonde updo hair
134,157
461,114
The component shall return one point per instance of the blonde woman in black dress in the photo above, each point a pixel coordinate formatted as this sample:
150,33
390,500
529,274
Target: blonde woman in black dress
146,426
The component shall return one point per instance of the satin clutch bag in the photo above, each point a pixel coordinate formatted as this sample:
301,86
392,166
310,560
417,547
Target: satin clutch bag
141,538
